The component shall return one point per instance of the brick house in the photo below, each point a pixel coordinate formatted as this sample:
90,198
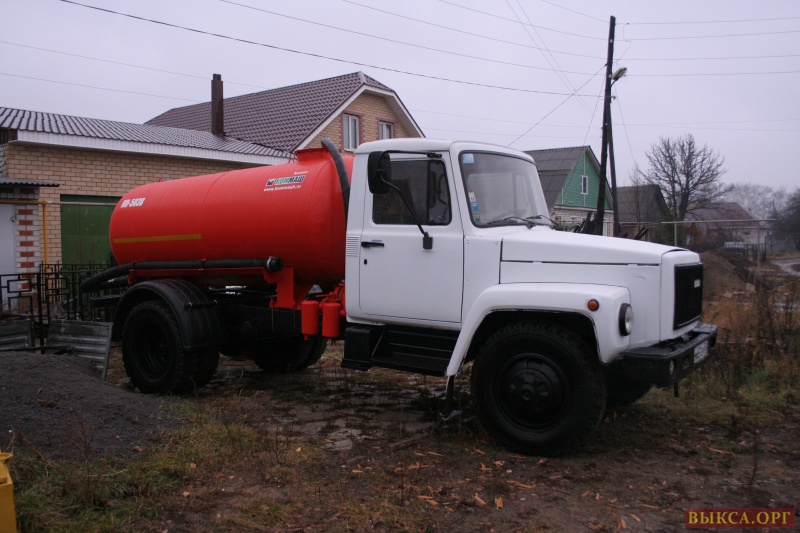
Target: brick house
350,110
725,224
60,176
63,175
570,179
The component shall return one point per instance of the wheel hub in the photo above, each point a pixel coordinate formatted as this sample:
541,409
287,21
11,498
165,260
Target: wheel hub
533,390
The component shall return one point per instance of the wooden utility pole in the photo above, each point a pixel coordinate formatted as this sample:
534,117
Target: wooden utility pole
601,194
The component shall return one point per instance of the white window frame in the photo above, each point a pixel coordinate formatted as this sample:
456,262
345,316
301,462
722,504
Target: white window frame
385,130
584,184
351,131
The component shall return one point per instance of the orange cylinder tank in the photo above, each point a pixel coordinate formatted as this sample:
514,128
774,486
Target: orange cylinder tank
294,212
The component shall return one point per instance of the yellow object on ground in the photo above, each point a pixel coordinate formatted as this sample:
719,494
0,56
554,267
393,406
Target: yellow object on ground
8,518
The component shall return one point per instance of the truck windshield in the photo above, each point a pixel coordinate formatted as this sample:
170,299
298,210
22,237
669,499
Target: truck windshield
499,189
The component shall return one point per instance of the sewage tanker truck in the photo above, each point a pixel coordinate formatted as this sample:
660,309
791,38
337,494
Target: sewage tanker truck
420,255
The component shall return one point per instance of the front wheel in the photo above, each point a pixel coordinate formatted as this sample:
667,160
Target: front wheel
539,389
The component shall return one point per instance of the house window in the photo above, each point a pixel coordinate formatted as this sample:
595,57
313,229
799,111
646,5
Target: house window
351,132
584,184
386,130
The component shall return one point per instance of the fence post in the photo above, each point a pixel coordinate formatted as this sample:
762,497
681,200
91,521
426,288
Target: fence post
39,303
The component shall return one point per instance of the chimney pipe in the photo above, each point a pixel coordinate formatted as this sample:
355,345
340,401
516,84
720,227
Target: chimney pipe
217,114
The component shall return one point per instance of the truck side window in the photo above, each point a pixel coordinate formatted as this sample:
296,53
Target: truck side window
424,185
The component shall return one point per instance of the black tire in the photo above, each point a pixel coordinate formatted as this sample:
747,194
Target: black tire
279,355
207,362
317,348
153,353
622,391
538,388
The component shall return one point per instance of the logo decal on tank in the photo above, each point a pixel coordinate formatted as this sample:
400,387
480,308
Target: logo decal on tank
285,183
134,202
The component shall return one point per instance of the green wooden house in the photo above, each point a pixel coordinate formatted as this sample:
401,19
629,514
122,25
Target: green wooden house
570,178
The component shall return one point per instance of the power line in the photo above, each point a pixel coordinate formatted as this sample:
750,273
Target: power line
470,33
386,39
556,107
100,88
632,124
704,21
573,11
625,128
715,129
559,71
128,64
713,74
486,13
754,34
319,56
510,134
779,56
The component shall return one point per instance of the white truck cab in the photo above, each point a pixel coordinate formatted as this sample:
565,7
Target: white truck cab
451,257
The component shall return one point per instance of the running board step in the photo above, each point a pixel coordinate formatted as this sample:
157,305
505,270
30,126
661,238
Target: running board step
423,351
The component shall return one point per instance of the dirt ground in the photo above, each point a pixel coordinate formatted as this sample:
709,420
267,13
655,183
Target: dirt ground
382,438
378,437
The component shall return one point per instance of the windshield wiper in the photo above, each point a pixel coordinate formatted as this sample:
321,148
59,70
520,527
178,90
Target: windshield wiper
536,220
549,220
504,220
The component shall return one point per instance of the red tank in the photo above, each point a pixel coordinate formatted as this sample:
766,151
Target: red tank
294,212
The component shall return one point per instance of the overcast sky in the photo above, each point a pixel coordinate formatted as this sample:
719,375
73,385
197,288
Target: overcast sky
524,73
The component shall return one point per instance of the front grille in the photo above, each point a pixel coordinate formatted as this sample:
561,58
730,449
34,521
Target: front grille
688,294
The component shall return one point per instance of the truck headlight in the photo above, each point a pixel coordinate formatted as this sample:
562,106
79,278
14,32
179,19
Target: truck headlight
625,319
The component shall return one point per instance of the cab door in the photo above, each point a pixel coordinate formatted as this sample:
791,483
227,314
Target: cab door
398,277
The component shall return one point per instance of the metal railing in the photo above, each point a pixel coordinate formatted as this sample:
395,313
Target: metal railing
53,293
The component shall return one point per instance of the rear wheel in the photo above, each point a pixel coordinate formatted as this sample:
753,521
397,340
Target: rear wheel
538,388
154,356
207,361
152,350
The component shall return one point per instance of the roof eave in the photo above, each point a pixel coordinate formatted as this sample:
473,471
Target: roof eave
394,102
114,145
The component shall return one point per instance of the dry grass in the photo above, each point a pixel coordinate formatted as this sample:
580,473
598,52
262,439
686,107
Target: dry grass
246,460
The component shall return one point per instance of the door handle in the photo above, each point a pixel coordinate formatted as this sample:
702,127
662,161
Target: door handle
371,244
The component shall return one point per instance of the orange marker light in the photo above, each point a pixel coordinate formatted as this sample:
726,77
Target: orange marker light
593,305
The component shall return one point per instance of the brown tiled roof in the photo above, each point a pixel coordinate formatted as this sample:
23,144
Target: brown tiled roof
35,121
282,118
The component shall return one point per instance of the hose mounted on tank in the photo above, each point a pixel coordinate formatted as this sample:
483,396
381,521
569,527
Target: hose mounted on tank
341,170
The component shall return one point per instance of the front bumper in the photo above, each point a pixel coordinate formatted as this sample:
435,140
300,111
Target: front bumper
667,363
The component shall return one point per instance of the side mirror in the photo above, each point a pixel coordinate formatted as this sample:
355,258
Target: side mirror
379,172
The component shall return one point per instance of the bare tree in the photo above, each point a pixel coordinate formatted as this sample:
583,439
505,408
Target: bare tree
688,176
761,201
788,219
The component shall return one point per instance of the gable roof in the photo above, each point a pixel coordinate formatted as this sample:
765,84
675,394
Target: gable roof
81,132
287,117
641,204
554,166
732,214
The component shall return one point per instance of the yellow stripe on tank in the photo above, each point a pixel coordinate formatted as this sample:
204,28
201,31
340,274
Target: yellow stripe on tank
159,238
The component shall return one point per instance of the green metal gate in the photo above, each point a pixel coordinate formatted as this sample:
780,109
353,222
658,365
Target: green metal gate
84,228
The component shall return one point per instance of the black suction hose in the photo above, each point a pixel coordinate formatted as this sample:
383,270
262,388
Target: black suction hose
341,170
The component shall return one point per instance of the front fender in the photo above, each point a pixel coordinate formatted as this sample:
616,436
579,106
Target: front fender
550,298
